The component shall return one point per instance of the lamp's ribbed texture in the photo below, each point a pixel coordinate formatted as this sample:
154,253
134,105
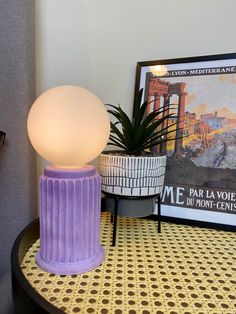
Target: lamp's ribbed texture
70,221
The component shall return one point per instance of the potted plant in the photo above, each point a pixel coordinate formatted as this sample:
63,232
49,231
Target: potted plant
134,169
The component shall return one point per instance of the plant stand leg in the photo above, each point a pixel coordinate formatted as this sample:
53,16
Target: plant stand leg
158,202
115,221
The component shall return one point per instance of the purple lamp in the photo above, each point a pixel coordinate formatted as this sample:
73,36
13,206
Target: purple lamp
69,126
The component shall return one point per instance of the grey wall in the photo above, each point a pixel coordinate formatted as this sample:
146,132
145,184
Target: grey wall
17,92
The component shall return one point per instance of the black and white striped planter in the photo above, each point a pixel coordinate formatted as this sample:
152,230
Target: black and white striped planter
132,175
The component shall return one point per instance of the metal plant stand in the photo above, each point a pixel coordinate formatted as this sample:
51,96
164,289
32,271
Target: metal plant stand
118,198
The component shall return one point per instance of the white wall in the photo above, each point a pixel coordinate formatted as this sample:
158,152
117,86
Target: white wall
97,43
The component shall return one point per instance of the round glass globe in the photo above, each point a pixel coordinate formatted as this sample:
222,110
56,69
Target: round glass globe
69,126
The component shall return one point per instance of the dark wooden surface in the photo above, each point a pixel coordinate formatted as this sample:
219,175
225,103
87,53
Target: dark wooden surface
25,298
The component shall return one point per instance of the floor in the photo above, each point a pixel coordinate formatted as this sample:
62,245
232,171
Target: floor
183,270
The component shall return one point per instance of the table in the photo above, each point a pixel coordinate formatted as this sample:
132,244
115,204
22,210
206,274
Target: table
117,198
26,299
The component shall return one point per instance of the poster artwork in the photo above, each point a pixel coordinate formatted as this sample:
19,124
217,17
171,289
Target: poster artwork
201,166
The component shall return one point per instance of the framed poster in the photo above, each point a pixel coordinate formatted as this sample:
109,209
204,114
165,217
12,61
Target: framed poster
200,181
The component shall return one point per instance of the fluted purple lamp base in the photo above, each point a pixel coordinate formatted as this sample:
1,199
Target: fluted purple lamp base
70,221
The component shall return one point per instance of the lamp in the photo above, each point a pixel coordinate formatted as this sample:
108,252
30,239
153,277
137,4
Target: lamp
69,126
158,70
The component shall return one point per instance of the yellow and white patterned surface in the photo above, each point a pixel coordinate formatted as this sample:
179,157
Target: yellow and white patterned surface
183,270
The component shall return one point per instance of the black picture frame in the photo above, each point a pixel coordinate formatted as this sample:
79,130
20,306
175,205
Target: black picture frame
208,67
2,138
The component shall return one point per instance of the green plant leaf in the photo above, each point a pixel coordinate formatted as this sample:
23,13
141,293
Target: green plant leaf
113,106
137,103
127,127
115,143
154,115
160,138
117,132
145,130
140,115
114,114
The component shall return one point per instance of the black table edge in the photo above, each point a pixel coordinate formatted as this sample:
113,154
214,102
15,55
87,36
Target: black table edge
25,298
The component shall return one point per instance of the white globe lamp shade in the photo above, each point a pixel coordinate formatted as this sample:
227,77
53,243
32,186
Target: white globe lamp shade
68,126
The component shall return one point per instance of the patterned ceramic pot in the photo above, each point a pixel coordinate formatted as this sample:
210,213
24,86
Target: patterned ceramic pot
132,175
